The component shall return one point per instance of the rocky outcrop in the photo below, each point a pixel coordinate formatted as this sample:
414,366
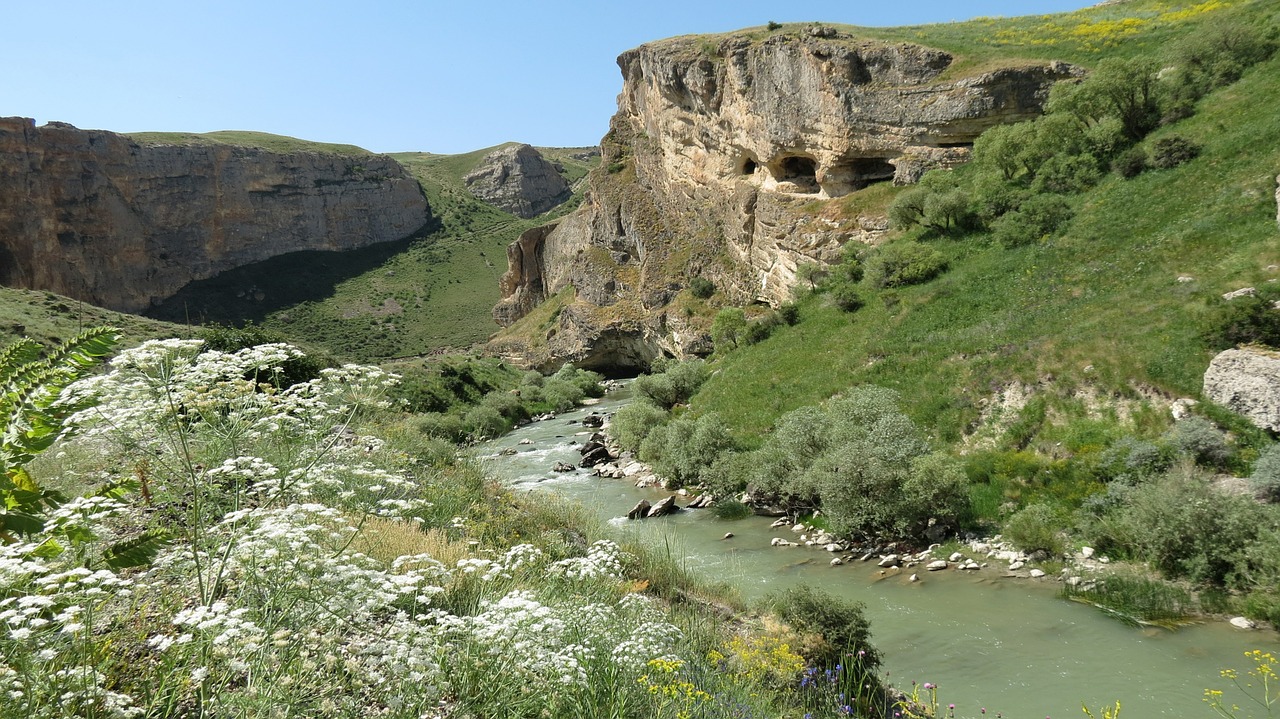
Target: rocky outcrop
1247,381
99,217
720,149
519,180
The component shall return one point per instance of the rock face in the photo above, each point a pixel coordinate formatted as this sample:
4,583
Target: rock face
715,152
1247,381
518,179
99,217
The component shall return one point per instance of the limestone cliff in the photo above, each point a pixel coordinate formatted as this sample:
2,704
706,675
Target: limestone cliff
518,179
96,216
717,152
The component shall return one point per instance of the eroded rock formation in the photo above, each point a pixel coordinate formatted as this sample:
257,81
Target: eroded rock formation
96,216
518,179
716,157
1247,381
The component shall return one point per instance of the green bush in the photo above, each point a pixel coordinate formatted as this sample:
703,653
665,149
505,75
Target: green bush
907,209
1201,440
1265,479
227,338
789,312
1067,173
1169,152
683,450
443,426
1036,528
1185,528
865,464
1244,320
1130,163
844,629
845,295
1039,216
484,422
633,423
904,263
701,287
1218,55
675,385
728,329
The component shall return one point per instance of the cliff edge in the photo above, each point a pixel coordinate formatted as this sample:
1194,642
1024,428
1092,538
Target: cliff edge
100,217
717,146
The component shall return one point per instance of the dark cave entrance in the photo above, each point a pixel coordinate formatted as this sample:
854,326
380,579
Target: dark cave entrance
799,170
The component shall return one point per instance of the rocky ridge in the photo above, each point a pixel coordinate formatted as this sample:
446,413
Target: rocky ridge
99,217
519,180
716,151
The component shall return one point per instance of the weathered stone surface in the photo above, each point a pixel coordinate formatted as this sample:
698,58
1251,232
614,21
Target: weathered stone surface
663,507
96,216
640,511
1247,381
713,151
519,180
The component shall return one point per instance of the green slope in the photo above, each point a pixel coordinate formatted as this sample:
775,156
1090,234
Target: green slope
1099,305
395,299
49,318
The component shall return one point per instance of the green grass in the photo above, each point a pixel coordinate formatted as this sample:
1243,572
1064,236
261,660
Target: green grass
1103,296
246,138
49,319
395,299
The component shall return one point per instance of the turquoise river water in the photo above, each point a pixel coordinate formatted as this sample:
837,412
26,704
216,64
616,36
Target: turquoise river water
1011,646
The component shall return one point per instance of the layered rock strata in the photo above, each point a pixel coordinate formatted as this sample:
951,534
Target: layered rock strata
718,155
96,216
519,180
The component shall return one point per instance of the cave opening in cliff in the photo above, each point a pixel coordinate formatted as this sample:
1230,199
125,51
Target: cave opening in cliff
868,170
748,166
800,170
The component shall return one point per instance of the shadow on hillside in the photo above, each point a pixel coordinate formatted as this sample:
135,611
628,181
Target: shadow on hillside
252,292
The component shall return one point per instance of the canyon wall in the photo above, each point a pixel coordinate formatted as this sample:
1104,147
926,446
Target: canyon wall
721,149
96,216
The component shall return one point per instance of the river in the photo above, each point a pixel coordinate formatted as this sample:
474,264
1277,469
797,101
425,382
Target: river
1011,646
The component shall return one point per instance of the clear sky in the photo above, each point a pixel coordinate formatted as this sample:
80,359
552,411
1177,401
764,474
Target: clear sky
386,75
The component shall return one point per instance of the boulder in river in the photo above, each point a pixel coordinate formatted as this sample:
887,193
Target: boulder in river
562,467
664,507
640,511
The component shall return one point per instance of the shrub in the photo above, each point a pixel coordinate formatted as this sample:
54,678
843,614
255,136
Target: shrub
633,423
484,422
1184,527
1244,320
907,209
1067,173
676,384
1265,479
728,329
1039,216
774,26
1219,55
845,295
1131,460
1169,152
947,211
844,629
442,426
227,338
682,450
1035,528
701,287
1201,440
1130,163
789,312
904,263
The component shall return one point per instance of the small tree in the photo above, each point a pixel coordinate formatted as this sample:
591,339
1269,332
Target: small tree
728,329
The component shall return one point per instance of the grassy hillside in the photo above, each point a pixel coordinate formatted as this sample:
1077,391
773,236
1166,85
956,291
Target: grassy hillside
394,299
1098,305
49,318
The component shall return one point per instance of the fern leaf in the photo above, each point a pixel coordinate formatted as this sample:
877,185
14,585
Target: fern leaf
138,551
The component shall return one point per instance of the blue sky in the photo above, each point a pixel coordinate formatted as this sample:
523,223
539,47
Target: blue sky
389,76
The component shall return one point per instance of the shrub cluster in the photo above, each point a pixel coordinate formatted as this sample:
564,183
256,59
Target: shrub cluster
498,410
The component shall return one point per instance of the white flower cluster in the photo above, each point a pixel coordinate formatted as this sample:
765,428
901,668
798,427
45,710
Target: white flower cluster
603,561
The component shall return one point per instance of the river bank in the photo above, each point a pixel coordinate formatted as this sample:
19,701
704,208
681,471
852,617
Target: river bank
988,640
